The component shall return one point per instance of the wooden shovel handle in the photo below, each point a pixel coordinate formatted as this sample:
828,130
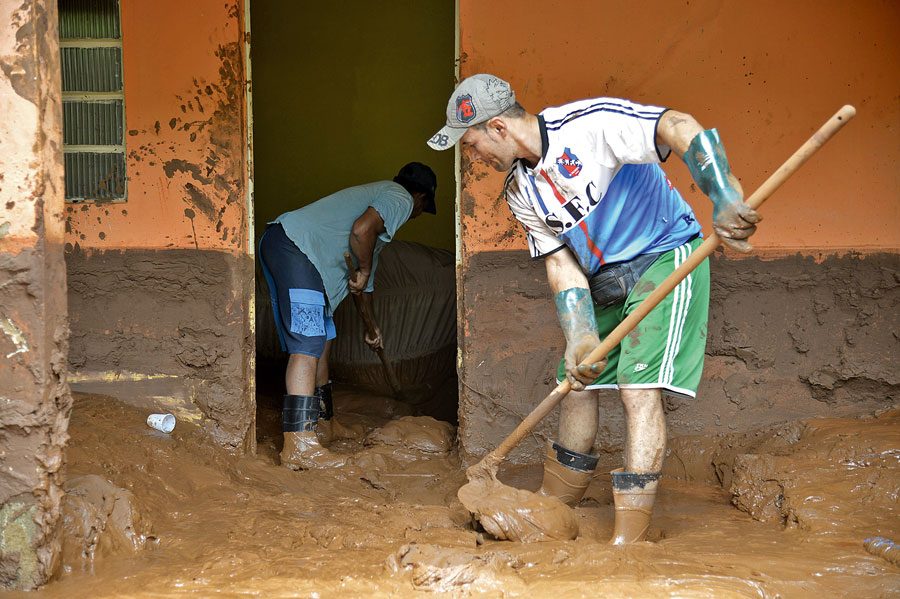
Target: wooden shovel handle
363,307
790,166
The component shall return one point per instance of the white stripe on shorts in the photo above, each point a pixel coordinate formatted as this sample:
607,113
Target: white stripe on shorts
680,302
676,295
688,292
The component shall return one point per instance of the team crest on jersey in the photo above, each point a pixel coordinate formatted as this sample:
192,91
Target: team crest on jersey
465,108
569,164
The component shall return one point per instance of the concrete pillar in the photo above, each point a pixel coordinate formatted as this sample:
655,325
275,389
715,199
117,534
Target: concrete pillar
34,396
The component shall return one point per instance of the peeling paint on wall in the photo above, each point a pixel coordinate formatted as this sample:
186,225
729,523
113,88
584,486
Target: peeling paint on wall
17,533
15,335
36,402
171,267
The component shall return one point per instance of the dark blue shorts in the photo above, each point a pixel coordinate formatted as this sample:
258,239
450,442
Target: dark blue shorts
295,283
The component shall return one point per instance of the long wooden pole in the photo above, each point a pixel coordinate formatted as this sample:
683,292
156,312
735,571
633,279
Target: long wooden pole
363,307
790,166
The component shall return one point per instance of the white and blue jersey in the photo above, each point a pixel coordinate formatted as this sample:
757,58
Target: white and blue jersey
598,188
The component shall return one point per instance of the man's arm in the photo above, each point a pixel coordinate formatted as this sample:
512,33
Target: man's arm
564,272
676,130
363,234
704,156
575,310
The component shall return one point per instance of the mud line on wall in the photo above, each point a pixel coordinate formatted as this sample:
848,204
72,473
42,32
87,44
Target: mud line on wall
165,312
788,339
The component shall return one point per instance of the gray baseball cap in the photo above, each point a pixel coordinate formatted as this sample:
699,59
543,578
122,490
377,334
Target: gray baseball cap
475,100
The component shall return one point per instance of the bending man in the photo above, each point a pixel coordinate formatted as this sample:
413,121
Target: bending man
302,255
585,182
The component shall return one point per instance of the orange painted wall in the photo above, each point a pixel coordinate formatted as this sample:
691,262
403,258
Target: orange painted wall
185,121
766,74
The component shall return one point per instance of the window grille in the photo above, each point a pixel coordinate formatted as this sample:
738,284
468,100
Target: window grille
90,41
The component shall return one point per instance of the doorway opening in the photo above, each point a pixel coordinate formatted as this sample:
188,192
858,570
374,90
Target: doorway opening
345,98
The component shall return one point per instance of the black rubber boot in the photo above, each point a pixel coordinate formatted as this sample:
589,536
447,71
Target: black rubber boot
302,449
326,403
299,413
325,429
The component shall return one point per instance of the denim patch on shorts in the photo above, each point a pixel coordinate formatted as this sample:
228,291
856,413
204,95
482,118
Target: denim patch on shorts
307,312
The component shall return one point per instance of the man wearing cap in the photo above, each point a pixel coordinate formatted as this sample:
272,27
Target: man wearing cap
585,182
302,258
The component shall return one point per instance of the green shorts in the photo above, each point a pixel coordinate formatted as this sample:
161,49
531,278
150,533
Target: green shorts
666,349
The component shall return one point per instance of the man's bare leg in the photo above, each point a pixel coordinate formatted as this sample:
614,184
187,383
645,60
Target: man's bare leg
568,467
300,377
634,487
578,420
322,367
645,445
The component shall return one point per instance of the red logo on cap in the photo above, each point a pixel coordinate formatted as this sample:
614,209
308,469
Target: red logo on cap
465,109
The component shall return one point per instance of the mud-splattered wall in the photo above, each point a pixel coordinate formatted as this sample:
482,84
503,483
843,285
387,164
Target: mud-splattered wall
34,398
159,284
811,329
184,115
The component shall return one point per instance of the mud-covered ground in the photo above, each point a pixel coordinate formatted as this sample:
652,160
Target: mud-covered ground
150,514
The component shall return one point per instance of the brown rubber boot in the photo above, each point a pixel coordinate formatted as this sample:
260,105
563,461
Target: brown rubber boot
302,450
633,495
324,428
325,431
567,473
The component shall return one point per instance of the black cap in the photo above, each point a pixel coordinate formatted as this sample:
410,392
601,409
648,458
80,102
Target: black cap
419,177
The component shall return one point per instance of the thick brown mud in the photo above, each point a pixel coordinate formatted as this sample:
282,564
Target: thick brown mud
150,514
508,513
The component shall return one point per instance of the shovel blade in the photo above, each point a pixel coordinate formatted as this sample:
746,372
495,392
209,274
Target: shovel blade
517,515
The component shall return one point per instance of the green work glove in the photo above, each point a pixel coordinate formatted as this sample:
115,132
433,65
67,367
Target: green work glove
575,309
733,220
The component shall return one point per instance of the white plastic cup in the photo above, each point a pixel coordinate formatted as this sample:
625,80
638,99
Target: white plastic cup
162,422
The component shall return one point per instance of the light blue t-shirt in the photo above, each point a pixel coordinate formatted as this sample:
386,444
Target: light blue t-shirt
322,230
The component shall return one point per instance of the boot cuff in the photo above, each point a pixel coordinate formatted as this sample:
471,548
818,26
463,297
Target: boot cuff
629,480
299,413
573,460
326,403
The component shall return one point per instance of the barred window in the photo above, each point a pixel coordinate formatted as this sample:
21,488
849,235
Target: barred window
90,41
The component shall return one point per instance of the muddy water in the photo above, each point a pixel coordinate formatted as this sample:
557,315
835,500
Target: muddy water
167,515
